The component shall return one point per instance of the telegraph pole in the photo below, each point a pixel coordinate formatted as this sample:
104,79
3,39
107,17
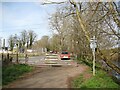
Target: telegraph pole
16,45
4,44
17,54
0,43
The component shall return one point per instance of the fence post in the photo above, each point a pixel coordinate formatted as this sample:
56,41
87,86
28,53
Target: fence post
17,55
7,56
26,58
2,56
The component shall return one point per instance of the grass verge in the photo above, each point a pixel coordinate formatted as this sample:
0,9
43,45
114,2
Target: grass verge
100,80
13,72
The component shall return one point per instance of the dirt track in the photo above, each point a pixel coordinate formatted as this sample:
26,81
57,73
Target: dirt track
50,77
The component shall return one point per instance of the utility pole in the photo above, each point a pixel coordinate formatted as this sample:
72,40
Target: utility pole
2,52
4,44
16,45
0,43
3,47
17,54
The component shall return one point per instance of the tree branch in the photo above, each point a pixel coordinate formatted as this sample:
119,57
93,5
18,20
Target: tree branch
69,14
51,2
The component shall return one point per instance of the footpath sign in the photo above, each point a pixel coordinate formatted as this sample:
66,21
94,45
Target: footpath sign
93,45
93,42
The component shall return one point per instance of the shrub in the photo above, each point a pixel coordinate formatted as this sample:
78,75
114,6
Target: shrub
13,72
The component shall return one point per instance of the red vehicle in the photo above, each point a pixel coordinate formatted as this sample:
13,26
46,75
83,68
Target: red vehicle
65,55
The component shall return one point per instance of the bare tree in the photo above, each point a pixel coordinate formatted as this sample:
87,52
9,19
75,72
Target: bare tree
11,42
54,42
45,42
24,35
93,19
32,36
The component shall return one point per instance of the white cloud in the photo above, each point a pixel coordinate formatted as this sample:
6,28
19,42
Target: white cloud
21,0
41,1
0,15
28,20
12,18
18,18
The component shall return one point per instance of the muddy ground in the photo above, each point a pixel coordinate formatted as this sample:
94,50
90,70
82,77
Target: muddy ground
48,77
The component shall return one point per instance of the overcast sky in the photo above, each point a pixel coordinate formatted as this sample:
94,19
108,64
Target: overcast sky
19,16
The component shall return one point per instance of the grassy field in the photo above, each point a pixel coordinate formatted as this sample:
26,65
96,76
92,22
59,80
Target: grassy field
13,72
100,80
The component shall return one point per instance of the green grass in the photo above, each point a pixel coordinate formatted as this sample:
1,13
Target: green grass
0,76
100,80
29,55
89,63
13,72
